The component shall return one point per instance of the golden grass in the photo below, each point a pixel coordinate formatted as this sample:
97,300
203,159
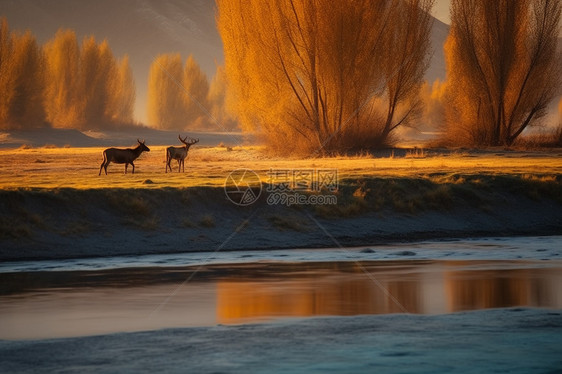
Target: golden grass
78,167
36,184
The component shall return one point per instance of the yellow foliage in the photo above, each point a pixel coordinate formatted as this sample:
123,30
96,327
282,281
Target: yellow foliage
122,93
222,117
22,83
502,68
63,61
304,74
178,96
165,109
195,92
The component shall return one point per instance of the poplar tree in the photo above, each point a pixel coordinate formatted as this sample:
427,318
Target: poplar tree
323,76
503,68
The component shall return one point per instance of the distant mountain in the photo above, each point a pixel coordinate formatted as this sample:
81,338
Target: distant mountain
145,28
439,34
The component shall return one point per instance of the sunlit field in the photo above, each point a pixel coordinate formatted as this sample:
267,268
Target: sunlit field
78,168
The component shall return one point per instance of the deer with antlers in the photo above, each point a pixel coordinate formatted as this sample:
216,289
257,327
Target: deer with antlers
179,153
122,156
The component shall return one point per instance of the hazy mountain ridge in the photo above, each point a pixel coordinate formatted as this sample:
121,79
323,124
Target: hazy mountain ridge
436,69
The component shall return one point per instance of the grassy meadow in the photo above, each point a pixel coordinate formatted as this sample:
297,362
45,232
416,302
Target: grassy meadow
51,167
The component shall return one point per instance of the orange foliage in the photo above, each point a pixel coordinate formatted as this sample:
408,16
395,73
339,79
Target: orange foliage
22,82
165,100
63,61
178,97
63,84
309,76
502,68
221,116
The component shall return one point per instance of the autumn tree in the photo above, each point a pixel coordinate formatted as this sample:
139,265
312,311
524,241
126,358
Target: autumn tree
178,95
63,84
221,117
122,93
317,75
97,71
165,108
62,67
195,87
503,68
22,82
406,61
6,84
87,88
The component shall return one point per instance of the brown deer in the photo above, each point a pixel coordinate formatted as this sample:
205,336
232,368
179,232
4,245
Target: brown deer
179,153
122,156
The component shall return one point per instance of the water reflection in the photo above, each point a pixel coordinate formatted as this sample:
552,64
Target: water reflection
431,288
54,304
481,289
237,301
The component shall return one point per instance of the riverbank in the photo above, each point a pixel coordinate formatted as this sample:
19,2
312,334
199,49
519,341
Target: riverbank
72,223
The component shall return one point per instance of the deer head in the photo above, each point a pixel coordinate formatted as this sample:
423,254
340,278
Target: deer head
143,146
191,140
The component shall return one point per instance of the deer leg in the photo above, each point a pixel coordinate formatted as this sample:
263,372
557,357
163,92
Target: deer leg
105,166
133,167
168,160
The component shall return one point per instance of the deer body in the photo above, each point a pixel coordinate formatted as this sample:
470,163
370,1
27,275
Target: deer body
122,156
179,153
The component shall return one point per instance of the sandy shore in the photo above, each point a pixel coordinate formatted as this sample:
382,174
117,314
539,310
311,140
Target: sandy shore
69,223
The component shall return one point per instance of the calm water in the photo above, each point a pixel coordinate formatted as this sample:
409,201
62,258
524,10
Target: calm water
47,304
